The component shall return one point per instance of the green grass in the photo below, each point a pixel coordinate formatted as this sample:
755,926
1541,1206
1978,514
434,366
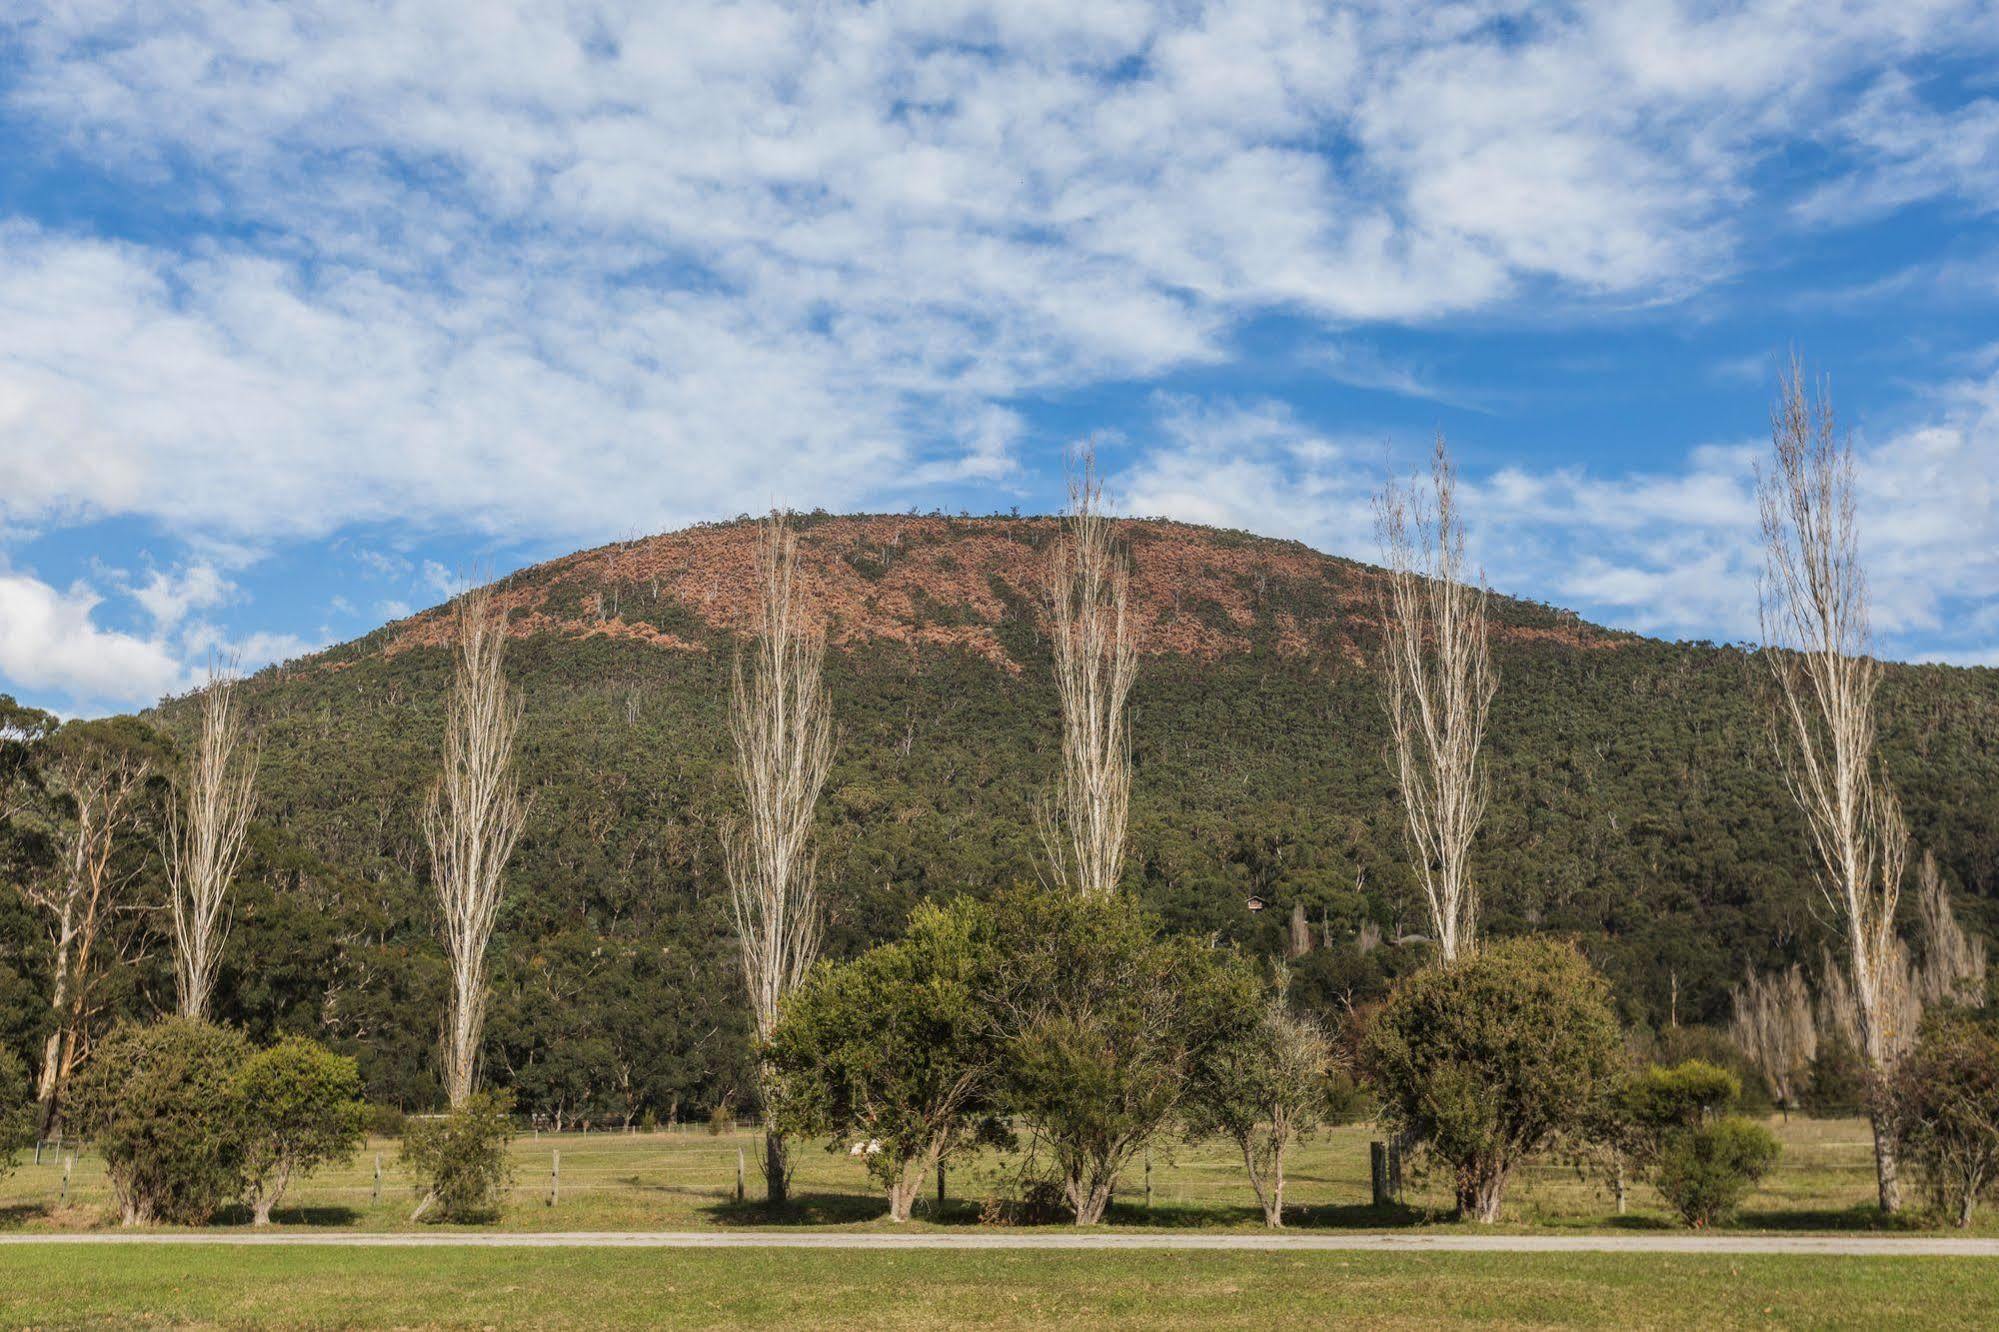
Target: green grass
686,1181
187,1286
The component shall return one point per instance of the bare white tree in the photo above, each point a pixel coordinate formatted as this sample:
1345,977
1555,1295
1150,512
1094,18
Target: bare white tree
782,725
205,824
1952,972
1773,1027
1096,659
471,821
1438,682
99,788
1819,651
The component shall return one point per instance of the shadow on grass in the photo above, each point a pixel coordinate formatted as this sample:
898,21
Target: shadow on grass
1864,1216
805,1209
237,1214
1357,1216
16,1215
1630,1222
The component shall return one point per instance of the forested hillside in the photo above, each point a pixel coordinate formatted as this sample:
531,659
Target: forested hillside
1634,798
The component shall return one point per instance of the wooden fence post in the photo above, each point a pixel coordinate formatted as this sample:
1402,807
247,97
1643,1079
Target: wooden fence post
68,1164
739,1174
1377,1160
1148,1181
376,1195
554,1177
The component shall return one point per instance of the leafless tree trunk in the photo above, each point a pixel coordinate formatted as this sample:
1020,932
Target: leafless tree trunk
206,821
1774,1029
1817,645
1096,659
783,732
78,900
471,821
1438,683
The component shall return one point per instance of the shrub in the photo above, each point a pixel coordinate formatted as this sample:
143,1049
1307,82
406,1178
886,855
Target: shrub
302,1109
1101,1018
161,1103
895,1050
1682,1096
460,1159
1493,1058
1702,1163
1947,1095
1705,1171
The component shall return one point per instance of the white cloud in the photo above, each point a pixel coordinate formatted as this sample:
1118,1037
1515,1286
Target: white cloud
169,596
1674,553
48,641
571,272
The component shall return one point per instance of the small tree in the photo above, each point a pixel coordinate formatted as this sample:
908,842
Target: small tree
460,1159
162,1104
1261,1090
1702,1161
1947,1090
894,1051
1102,1019
302,1109
1492,1058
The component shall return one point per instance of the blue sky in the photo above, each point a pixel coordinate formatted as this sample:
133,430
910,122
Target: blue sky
305,309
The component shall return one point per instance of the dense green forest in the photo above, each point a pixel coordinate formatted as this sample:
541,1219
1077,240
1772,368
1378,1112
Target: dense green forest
1635,801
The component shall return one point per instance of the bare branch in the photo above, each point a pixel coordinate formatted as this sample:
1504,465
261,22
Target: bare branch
205,825
1817,644
471,821
782,726
1438,682
1096,659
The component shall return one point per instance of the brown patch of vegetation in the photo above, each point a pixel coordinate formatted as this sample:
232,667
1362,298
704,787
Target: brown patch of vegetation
940,582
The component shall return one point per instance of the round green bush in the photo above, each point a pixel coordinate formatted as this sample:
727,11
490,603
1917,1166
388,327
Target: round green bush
1705,1171
1495,1057
160,1102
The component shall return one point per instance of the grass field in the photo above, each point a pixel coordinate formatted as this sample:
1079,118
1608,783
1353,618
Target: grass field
687,1180
185,1286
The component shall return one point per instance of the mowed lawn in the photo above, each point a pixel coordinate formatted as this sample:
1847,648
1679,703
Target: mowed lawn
687,1181
189,1286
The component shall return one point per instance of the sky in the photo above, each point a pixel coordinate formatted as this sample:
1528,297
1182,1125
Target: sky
307,309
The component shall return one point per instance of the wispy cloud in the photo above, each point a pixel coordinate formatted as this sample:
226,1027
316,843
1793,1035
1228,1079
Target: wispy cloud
1673,552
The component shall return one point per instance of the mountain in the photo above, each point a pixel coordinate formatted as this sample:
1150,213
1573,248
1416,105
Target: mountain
1635,802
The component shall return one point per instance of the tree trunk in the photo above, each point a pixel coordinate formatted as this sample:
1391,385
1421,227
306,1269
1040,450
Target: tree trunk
1889,1187
1090,1202
777,1170
1479,1196
45,1089
903,1191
